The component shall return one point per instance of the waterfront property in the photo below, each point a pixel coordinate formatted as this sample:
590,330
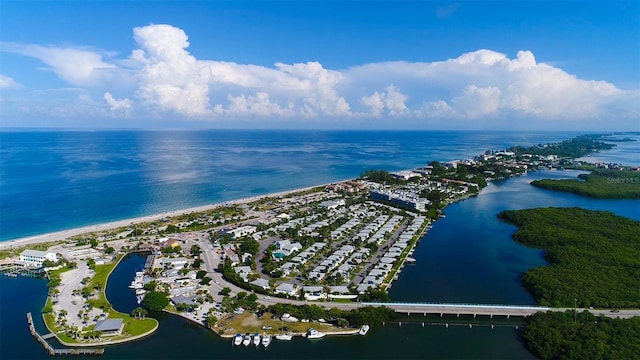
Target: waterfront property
109,327
36,258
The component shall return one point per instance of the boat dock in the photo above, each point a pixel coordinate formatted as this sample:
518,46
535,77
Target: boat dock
51,350
150,259
13,270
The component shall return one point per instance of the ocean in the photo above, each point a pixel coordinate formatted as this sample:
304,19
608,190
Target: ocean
468,257
51,181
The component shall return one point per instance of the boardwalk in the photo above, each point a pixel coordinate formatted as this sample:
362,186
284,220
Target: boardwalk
53,351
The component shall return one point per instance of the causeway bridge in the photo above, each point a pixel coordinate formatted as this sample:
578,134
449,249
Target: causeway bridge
492,310
461,309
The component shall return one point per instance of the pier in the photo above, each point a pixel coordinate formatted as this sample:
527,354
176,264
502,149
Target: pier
13,270
52,351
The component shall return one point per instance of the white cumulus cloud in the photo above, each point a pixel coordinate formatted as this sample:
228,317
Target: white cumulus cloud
161,78
117,105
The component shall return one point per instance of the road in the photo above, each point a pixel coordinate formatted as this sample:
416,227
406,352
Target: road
211,260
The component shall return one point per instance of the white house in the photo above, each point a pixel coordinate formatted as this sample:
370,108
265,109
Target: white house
287,289
174,263
36,257
260,282
242,231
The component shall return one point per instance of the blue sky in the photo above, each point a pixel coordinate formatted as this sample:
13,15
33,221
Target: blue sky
562,65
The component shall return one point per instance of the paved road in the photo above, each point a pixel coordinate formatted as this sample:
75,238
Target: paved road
212,259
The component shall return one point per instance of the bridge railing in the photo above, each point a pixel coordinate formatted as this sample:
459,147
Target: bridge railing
452,305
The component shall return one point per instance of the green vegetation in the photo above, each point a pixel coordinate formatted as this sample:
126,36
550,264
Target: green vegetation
574,148
71,334
607,184
594,256
369,315
155,301
14,252
557,335
380,176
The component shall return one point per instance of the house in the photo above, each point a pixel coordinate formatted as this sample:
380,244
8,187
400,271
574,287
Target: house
109,327
313,293
287,289
286,247
261,283
240,231
36,257
332,204
289,249
174,263
243,271
340,289
229,252
283,216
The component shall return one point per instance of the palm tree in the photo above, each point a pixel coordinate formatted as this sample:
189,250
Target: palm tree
139,313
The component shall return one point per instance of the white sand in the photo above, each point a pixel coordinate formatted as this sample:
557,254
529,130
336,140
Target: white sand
62,235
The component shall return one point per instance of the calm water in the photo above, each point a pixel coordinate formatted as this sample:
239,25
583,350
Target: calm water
467,257
52,181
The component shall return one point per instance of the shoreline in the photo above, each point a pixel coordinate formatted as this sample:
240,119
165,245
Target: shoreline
64,234
106,342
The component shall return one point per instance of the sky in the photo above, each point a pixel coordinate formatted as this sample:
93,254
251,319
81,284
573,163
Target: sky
466,65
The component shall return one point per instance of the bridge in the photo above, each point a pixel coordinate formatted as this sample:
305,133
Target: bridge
492,310
461,309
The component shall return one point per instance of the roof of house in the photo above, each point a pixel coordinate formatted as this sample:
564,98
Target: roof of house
340,289
36,253
286,287
184,299
108,325
263,283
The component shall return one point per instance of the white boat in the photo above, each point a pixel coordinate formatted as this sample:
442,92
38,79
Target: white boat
266,340
139,298
411,260
237,340
256,339
286,336
247,339
315,334
363,330
283,336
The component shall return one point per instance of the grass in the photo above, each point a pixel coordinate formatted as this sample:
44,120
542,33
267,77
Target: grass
132,326
249,323
14,252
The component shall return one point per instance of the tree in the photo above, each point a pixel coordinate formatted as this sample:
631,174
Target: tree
211,320
252,298
150,286
139,313
225,291
155,301
250,246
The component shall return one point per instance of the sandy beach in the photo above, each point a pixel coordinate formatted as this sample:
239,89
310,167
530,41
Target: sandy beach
64,234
